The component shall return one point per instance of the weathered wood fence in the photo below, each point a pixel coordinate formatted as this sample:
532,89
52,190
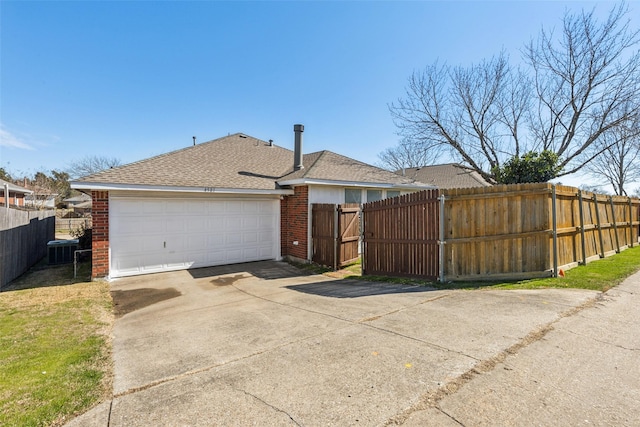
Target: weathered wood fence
69,224
515,231
335,234
400,236
23,240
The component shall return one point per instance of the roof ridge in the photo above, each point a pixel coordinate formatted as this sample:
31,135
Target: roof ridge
173,152
321,153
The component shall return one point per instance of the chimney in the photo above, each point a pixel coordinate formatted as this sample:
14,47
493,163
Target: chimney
297,151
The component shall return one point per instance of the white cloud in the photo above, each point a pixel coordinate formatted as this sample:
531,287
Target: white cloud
7,139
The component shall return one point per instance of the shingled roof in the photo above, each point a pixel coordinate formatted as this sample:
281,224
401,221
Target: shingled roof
450,175
329,166
239,162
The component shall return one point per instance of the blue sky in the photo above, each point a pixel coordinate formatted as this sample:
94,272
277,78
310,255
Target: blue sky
135,79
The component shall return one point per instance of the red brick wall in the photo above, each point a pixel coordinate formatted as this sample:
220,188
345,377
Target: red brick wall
100,234
294,223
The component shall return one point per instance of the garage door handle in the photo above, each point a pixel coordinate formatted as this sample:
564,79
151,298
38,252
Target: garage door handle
165,244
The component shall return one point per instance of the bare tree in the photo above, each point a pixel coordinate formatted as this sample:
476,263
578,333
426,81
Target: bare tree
409,154
459,109
92,164
587,83
579,86
618,163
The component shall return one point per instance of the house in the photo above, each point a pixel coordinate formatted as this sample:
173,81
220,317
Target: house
79,205
234,199
450,175
83,200
41,201
12,194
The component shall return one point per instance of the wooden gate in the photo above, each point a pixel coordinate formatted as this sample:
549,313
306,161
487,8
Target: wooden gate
401,236
335,234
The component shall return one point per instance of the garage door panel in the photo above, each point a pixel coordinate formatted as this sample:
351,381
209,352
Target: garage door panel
233,207
232,223
152,207
250,223
250,237
195,223
233,239
152,235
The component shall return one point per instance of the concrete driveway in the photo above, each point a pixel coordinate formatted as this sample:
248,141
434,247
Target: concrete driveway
259,344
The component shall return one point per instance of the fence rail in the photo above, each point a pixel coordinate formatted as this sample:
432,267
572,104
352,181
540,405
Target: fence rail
23,240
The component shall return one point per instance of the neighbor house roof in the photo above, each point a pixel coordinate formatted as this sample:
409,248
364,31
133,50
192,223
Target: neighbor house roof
450,175
14,188
237,163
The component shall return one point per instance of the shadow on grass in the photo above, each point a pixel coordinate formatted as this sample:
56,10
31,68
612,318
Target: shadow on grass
42,275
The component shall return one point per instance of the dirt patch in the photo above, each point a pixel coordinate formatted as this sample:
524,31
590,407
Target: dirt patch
127,301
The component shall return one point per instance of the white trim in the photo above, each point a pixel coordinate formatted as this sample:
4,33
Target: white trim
305,181
162,188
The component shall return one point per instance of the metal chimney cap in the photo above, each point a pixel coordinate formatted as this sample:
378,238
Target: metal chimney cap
298,128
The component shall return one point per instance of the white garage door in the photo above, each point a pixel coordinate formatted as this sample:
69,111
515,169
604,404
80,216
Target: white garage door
153,235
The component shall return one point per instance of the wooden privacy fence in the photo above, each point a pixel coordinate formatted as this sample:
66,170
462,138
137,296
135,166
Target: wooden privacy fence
400,236
515,231
335,233
69,224
23,240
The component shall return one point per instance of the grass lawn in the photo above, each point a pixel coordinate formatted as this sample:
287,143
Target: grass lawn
600,275
54,346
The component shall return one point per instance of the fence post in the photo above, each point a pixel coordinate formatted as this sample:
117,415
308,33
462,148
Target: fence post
554,220
336,231
630,223
441,241
595,202
362,245
6,196
615,226
584,244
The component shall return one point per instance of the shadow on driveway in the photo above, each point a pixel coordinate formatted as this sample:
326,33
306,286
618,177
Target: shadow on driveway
267,270
349,288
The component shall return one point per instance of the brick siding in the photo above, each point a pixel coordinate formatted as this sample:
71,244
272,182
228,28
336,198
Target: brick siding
100,234
294,223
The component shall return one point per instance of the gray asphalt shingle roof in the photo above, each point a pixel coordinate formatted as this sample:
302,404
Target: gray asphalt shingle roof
450,175
234,161
239,161
326,165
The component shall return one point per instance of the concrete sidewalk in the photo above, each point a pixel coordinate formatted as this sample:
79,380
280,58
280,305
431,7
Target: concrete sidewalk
259,344
584,371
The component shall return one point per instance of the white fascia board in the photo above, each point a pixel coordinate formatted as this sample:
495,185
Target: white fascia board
136,187
304,181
